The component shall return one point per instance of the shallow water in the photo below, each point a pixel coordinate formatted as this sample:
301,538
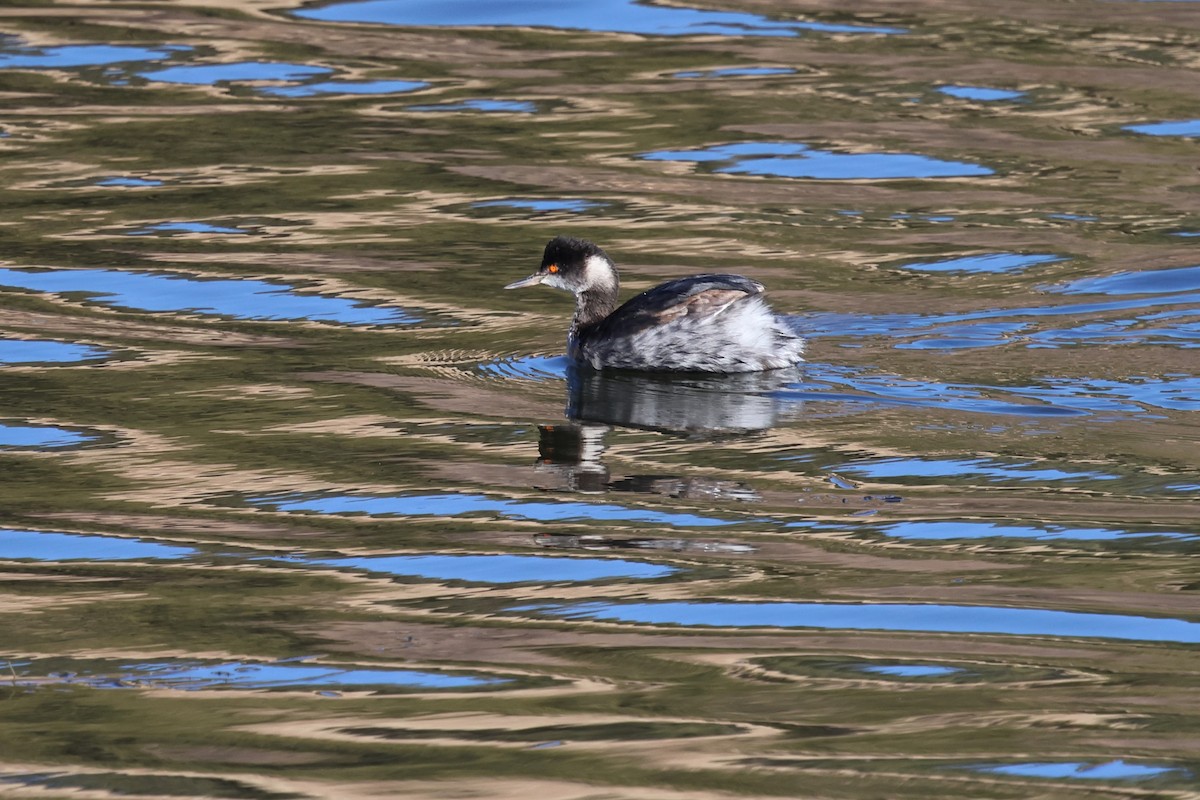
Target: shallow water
300,504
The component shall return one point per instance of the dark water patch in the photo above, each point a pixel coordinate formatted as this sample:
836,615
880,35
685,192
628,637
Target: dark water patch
566,541
609,16
123,784
497,569
41,351
982,93
345,87
627,731
923,617
1189,128
51,546
733,72
1073,217
174,292
963,530
83,55
15,436
797,160
456,505
543,205
987,262
483,105
1118,770
176,228
1151,281
240,72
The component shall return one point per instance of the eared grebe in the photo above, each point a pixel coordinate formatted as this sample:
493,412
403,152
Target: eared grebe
703,323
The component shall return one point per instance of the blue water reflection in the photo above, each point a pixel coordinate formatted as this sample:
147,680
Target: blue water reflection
187,227
987,262
994,469
240,299
1172,392
909,670
211,74
1157,324
1149,281
542,205
39,436
38,351
1054,397
1058,397
1079,770
951,530
981,93
487,106
239,675
500,568
614,16
345,87
535,368
49,546
130,182
1187,127
734,72
82,55
453,505
797,160
932,618
285,674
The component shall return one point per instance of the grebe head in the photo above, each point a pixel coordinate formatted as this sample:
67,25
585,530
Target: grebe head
575,265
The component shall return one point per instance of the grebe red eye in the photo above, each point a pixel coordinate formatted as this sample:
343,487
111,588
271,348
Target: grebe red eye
553,268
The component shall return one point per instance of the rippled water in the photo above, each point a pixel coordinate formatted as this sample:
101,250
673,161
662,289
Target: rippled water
300,504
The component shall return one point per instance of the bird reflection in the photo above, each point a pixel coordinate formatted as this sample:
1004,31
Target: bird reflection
696,406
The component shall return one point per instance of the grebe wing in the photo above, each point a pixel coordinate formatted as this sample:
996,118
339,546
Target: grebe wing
696,295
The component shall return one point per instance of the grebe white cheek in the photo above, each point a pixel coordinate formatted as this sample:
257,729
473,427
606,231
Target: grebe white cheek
599,274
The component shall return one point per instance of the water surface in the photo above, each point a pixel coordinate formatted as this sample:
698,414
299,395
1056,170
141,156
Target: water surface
618,16
800,160
34,351
905,617
242,299
298,502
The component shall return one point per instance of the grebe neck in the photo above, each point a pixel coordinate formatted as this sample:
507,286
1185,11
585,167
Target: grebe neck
593,305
